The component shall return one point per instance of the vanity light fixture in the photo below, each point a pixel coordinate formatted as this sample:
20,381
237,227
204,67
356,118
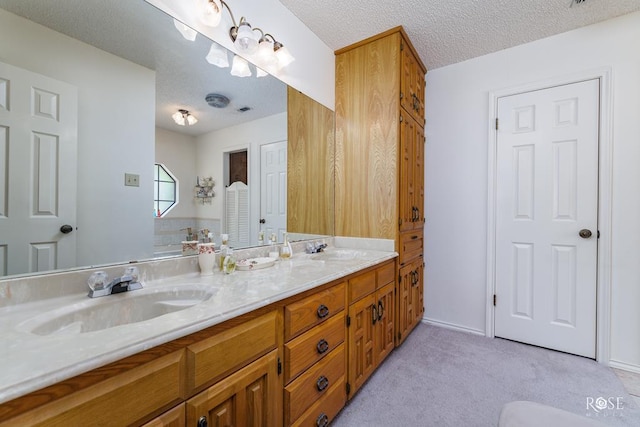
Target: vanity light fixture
240,67
186,31
218,56
183,117
271,55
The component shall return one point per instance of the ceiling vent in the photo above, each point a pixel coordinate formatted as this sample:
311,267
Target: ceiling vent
216,100
244,109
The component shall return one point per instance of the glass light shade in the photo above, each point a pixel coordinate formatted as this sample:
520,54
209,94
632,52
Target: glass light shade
210,12
218,56
187,32
284,57
265,55
245,40
191,120
178,117
240,67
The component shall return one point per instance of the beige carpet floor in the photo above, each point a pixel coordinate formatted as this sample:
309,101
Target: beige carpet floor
440,377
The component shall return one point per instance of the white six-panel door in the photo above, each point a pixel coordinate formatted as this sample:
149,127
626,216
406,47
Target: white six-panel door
273,188
38,140
546,193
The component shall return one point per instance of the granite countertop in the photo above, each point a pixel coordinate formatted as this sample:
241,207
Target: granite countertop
30,361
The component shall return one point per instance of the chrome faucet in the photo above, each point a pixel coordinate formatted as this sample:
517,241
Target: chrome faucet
315,247
127,282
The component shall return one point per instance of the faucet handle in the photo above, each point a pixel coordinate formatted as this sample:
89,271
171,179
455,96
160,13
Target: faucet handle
97,280
133,272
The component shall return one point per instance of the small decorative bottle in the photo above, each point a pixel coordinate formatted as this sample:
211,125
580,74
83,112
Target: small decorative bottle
285,250
229,263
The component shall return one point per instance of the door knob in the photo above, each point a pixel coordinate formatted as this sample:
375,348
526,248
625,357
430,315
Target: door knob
66,229
585,233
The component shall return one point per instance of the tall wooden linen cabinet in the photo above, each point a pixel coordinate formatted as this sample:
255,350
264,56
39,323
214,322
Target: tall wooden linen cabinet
379,157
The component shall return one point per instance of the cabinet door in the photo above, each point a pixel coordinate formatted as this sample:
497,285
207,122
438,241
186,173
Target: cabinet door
361,341
384,329
412,83
250,397
411,190
417,293
405,302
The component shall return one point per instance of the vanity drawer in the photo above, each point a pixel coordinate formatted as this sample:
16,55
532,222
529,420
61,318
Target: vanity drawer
314,383
305,350
386,274
362,285
322,412
411,246
123,399
214,357
304,314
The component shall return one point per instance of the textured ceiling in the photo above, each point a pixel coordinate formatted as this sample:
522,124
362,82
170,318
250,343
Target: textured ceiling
449,31
140,33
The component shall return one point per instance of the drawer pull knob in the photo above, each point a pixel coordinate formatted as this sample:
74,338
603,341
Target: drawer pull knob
322,346
323,311
202,422
322,420
322,383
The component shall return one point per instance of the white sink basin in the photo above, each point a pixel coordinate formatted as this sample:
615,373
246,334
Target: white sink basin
115,310
335,255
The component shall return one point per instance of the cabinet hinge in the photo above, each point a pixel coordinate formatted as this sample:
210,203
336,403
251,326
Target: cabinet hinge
399,222
348,386
598,234
279,366
401,119
399,336
348,321
494,299
401,46
496,123
399,278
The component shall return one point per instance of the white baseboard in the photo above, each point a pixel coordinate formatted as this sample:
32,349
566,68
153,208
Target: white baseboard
624,366
452,326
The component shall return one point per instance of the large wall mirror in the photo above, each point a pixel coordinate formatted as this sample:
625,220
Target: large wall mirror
128,69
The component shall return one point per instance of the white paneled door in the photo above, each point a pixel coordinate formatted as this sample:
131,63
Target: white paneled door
273,189
546,217
38,140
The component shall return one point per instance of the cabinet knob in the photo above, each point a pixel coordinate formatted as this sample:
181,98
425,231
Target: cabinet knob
322,420
323,311
322,383
202,422
322,346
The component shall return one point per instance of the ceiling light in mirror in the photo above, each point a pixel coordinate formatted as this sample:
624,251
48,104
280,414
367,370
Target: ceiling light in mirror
260,72
218,56
183,118
240,67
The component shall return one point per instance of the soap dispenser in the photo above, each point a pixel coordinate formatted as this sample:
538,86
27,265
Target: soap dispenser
229,263
285,250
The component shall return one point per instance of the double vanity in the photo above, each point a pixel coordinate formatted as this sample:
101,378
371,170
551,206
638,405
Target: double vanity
273,345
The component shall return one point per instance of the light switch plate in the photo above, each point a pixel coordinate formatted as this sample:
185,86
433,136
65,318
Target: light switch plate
132,180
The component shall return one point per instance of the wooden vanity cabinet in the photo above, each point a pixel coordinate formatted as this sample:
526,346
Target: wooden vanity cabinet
314,357
174,417
370,323
380,155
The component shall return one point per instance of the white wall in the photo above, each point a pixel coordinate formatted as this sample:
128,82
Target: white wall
249,136
313,71
116,105
178,153
456,171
